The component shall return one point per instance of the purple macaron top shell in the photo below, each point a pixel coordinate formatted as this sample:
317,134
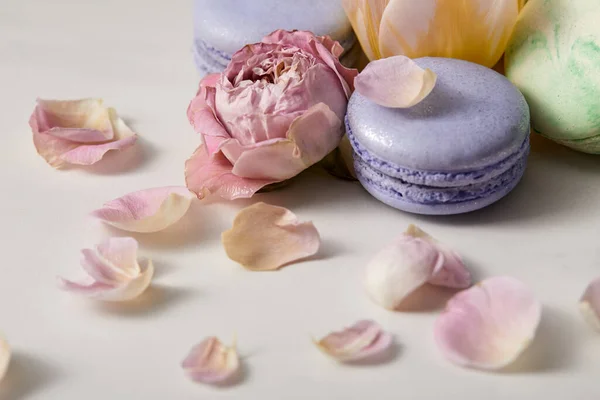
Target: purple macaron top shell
473,119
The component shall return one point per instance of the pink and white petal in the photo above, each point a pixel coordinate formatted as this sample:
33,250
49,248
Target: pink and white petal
120,128
90,154
121,252
5,355
85,120
452,273
205,175
399,269
277,161
211,362
363,339
489,325
590,304
52,148
131,289
91,289
395,82
365,17
266,237
149,210
102,270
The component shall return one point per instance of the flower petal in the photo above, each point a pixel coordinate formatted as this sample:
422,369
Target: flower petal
477,31
202,115
83,121
365,17
400,268
266,237
149,210
452,273
206,174
113,272
211,362
124,291
362,340
590,304
395,82
489,325
5,354
310,138
71,145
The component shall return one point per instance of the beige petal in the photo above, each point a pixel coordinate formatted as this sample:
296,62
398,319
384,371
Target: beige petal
4,357
365,17
266,237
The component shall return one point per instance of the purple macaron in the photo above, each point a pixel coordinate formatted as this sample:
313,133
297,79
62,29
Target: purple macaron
462,148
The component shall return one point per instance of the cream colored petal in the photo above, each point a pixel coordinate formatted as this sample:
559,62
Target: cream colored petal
149,210
266,237
4,357
211,362
477,30
590,305
362,340
395,82
365,17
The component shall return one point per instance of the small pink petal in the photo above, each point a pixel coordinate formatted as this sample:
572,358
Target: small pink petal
266,237
149,210
452,273
489,325
362,340
205,175
211,362
113,272
396,82
5,355
401,268
590,304
77,132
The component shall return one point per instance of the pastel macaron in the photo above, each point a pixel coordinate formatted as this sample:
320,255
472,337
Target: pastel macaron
462,148
223,27
553,57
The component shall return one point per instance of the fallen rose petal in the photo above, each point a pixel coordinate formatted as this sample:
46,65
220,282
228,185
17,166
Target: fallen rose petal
4,357
114,273
452,273
590,304
149,210
211,362
395,82
401,268
266,237
362,340
489,325
77,132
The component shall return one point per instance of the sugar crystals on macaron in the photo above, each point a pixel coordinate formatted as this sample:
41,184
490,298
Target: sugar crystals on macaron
455,139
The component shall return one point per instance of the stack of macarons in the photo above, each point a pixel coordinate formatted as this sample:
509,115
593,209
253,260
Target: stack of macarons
223,27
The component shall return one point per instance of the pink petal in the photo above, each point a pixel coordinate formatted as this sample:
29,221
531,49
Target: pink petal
73,144
266,237
400,269
113,272
362,340
590,304
489,325
211,362
202,115
452,273
310,138
395,82
205,175
83,121
149,210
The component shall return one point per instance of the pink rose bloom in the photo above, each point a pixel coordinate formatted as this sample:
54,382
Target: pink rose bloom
277,109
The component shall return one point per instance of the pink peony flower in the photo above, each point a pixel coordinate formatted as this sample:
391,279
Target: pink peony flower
276,110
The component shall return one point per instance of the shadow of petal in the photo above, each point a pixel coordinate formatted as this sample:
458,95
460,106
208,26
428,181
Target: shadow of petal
26,376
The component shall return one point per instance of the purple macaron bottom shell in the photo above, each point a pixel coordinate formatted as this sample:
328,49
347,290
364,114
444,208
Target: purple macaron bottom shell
430,200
